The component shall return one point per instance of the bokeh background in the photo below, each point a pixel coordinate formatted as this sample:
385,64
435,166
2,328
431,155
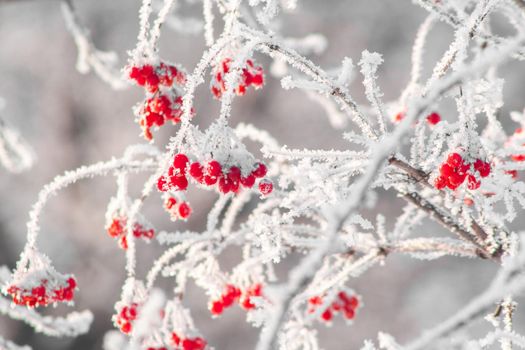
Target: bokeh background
72,119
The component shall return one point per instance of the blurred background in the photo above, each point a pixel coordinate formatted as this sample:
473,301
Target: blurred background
72,119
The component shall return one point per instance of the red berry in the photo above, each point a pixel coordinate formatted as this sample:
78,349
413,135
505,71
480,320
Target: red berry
225,185
210,180
446,170
184,210
327,315
518,157
216,307
433,118
196,171
234,174
440,182
170,202
214,168
455,180
473,183
162,185
265,187
248,181
353,302
260,170
454,160
180,161
349,314
194,344
179,181
316,300
175,338
482,167
126,327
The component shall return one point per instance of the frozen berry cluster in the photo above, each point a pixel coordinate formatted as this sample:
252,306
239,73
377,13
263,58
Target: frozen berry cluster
252,75
125,317
177,209
212,174
43,295
344,303
117,229
158,110
232,295
455,170
151,77
196,343
432,119
162,104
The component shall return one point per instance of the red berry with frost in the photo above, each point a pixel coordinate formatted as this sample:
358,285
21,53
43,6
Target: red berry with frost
210,180
180,161
214,168
440,182
265,187
162,184
234,174
170,203
225,185
454,160
180,182
260,170
472,182
196,171
216,307
184,210
248,181
482,167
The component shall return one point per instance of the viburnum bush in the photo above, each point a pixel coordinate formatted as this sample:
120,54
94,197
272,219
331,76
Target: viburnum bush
458,169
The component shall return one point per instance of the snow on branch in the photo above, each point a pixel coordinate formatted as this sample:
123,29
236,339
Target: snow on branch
103,64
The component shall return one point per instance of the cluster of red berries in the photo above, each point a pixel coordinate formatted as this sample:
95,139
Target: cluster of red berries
178,210
345,304
196,343
152,77
251,76
125,317
432,119
455,170
212,174
117,229
162,106
233,294
158,110
42,295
